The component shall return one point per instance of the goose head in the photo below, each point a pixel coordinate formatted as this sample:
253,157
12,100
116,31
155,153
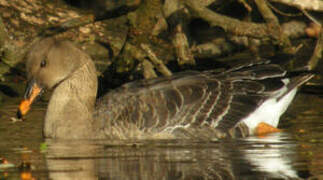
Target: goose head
59,66
51,61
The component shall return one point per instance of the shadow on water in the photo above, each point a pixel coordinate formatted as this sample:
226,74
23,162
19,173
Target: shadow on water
295,153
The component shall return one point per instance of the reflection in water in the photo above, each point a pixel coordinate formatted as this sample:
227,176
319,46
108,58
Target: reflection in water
71,160
273,154
252,158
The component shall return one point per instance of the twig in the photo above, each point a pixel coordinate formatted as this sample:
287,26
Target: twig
317,54
283,13
310,17
246,5
180,42
266,13
160,26
160,66
148,69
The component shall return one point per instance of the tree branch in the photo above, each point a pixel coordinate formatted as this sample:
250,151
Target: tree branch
314,5
272,23
160,66
317,54
229,24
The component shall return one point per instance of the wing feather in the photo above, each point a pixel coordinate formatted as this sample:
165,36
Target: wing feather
212,100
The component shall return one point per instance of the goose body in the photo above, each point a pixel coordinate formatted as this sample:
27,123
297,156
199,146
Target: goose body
187,105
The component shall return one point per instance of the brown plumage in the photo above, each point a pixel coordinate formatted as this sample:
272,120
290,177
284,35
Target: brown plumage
201,105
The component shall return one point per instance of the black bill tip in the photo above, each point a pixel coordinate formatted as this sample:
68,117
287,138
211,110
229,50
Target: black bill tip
19,114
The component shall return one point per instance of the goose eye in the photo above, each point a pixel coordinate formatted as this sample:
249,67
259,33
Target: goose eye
43,63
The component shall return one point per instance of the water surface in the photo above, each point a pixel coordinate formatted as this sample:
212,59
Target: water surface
297,152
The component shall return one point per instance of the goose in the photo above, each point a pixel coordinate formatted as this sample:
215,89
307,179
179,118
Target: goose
241,101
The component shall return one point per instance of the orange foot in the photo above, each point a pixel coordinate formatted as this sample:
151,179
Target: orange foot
263,129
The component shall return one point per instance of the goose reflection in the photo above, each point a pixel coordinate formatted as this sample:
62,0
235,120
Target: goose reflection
252,158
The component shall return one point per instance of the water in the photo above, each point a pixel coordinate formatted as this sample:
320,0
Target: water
297,152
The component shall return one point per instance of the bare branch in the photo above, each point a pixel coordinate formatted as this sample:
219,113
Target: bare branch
148,70
229,24
317,54
314,5
160,66
272,22
180,42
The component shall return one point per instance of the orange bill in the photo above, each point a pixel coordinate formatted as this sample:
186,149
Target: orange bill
32,92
